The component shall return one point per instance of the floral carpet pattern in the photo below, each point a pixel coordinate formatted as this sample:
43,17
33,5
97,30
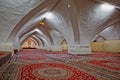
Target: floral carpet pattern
37,65
53,71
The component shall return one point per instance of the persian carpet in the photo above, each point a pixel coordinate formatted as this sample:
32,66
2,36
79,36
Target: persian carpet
53,71
34,65
44,71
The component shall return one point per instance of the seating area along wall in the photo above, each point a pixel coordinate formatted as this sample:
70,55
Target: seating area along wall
106,46
4,57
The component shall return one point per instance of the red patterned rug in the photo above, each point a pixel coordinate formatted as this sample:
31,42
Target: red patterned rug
36,65
31,57
98,55
53,71
115,65
56,52
1,54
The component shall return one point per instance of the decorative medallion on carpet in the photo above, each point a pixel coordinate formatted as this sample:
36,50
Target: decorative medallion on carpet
53,71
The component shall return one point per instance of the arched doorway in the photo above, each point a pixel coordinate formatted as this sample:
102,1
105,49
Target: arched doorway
29,43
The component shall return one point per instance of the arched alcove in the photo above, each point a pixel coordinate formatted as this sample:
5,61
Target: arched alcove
29,43
64,45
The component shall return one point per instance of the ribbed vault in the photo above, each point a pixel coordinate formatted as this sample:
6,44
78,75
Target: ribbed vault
77,22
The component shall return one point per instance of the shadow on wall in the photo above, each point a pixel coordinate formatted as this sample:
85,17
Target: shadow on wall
106,46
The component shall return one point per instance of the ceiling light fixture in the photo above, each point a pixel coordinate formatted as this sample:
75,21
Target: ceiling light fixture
68,4
49,15
42,23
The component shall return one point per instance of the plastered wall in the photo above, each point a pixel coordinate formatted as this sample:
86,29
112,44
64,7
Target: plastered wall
6,47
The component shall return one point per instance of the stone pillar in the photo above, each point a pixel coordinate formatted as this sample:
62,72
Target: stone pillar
77,49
